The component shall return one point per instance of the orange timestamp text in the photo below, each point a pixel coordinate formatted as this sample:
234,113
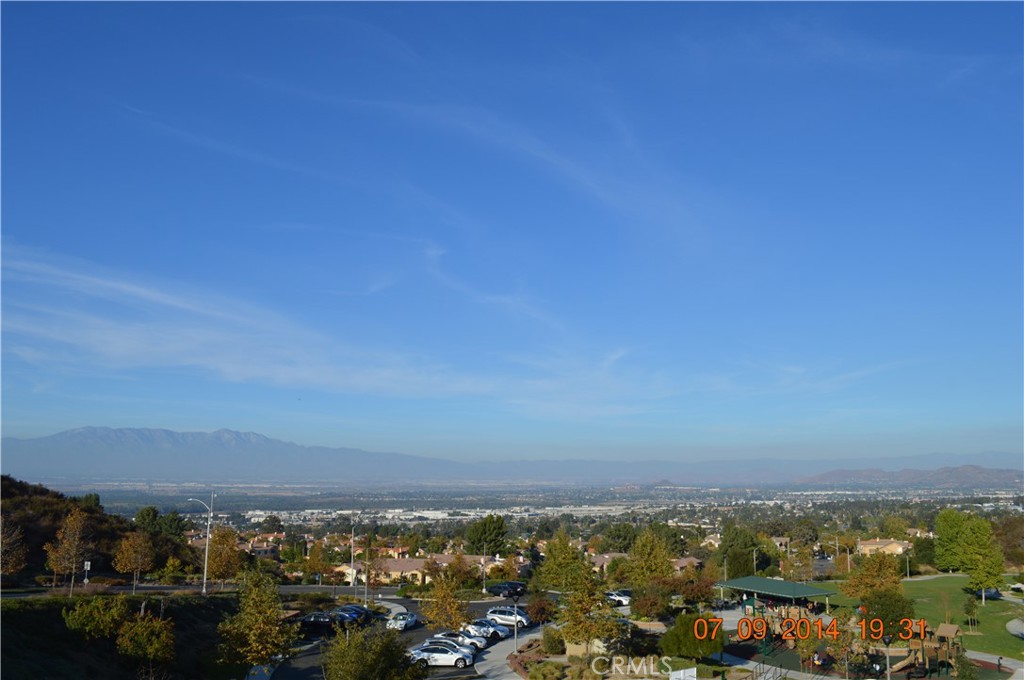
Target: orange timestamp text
802,629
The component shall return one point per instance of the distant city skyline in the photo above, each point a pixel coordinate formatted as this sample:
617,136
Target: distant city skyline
660,231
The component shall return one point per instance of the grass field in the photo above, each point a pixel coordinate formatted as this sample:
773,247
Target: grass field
941,598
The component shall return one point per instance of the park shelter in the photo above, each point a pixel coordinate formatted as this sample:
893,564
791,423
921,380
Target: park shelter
775,588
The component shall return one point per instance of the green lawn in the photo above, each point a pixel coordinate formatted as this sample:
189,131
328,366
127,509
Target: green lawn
935,597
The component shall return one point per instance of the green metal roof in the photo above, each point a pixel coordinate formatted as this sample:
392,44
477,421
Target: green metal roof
773,587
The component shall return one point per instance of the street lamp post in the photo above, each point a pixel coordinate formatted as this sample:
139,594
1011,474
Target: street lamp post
515,624
887,639
209,521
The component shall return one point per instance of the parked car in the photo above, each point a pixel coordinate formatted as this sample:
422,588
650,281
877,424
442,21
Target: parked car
402,621
508,589
619,598
353,613
448,644
487,629
436,655
509,616
990,594
464,639
316,625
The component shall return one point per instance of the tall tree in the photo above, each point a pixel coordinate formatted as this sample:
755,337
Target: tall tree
618,538
370,654
981,555
565,568
12,548
225,557
890,606
316,560
949,524
487,536
649,559
68,552
256,634
134,555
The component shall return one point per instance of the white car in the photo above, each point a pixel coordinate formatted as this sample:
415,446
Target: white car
447,644
619,598
509,616
487,629
464,639
402,621
436,655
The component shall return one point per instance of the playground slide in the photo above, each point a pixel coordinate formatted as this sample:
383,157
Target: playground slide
910,660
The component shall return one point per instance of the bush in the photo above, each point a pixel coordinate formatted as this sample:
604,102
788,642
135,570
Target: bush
582,672
546,670
541,609
314,600
551,641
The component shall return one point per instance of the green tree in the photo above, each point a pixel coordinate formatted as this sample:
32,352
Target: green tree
225,557
981,557
924,550
879,571
444,610
134,555
680,640
649,559
893,526
487,536
971,611
618,538
949,524
460,571
964,668
889,605
256,634
370,654
565,568
271,524
66,555
97,617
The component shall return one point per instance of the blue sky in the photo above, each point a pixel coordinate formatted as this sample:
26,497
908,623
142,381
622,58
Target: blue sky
518,230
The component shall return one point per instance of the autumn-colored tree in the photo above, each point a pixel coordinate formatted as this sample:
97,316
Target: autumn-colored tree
432,569
225,557
460,571
879,571
149,640
841,649
12,548
316,561
134,555
66,555
256,633
444,610
586,617
508,569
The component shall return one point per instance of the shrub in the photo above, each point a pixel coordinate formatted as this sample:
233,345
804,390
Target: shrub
314,600
546,670
541,609
551,641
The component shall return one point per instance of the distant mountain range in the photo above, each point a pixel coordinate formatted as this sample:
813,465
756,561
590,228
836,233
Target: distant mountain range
131,454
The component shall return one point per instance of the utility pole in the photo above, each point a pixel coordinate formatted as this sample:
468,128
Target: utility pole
352,557
209,521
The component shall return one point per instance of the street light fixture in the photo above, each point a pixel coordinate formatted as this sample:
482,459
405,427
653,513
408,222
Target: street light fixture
209,521
887,639
515,624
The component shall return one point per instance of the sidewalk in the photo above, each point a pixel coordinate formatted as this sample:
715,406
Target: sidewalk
493,661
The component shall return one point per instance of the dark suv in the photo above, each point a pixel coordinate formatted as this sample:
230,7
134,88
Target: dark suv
507,589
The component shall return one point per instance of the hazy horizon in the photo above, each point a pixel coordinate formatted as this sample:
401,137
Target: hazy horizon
607,231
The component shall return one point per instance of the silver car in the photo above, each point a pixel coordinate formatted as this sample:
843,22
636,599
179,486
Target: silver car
487,629
509,616
402,621
464,639
436,655
448,644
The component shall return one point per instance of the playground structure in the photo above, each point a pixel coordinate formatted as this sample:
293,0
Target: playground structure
936,651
